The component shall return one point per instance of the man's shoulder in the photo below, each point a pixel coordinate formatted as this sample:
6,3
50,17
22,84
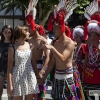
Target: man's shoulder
70,43
43,39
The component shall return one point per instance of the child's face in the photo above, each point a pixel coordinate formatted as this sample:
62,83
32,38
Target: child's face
77,38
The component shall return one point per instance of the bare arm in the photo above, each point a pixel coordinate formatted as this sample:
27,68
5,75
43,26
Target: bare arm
34,64
46,52
10,67
51,64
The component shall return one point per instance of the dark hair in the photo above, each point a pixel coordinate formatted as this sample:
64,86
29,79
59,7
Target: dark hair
2,36
20,31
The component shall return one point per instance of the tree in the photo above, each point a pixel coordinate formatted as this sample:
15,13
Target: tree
44,9
16,4
81,5
77,17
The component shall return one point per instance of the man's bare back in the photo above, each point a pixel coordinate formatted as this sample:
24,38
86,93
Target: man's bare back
37,43
63,48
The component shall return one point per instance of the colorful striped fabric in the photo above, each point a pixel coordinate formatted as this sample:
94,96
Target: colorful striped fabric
68,88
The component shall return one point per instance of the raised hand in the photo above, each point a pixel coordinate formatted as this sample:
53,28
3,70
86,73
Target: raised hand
46,46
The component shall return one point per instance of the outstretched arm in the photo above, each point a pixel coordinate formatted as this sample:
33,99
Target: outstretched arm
60,56
64,55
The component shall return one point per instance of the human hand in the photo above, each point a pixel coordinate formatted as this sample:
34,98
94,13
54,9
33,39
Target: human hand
38,76
41,73
10,91
46,46
40,81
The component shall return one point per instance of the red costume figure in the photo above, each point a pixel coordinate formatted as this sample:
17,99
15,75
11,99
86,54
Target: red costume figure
79,54
91,33
93,66
92,58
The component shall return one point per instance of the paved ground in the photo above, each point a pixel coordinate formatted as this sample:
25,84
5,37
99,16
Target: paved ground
48,96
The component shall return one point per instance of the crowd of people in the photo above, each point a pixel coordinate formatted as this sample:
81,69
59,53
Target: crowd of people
28,56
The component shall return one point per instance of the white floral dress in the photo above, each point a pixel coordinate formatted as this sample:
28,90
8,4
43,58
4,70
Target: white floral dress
23,77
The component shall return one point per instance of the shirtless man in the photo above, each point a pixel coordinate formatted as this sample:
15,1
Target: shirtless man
62,57
36,42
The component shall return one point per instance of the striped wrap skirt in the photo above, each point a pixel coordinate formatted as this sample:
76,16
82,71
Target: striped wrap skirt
66,86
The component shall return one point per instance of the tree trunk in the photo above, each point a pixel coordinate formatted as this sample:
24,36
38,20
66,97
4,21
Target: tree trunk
40,10
45,18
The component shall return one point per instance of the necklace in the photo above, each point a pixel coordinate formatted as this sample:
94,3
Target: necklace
77,51
92,55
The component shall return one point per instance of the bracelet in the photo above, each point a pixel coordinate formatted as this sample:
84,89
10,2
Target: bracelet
42,72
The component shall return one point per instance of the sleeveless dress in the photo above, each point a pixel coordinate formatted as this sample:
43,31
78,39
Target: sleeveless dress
23,77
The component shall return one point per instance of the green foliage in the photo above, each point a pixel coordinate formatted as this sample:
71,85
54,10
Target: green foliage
9,4
43,7
23,4
81,5
46,5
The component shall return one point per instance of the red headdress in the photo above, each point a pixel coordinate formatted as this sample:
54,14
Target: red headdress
31,8
92,12
31,13
86,31
29,19
96,16
91,26
40,29
68,32
61,13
